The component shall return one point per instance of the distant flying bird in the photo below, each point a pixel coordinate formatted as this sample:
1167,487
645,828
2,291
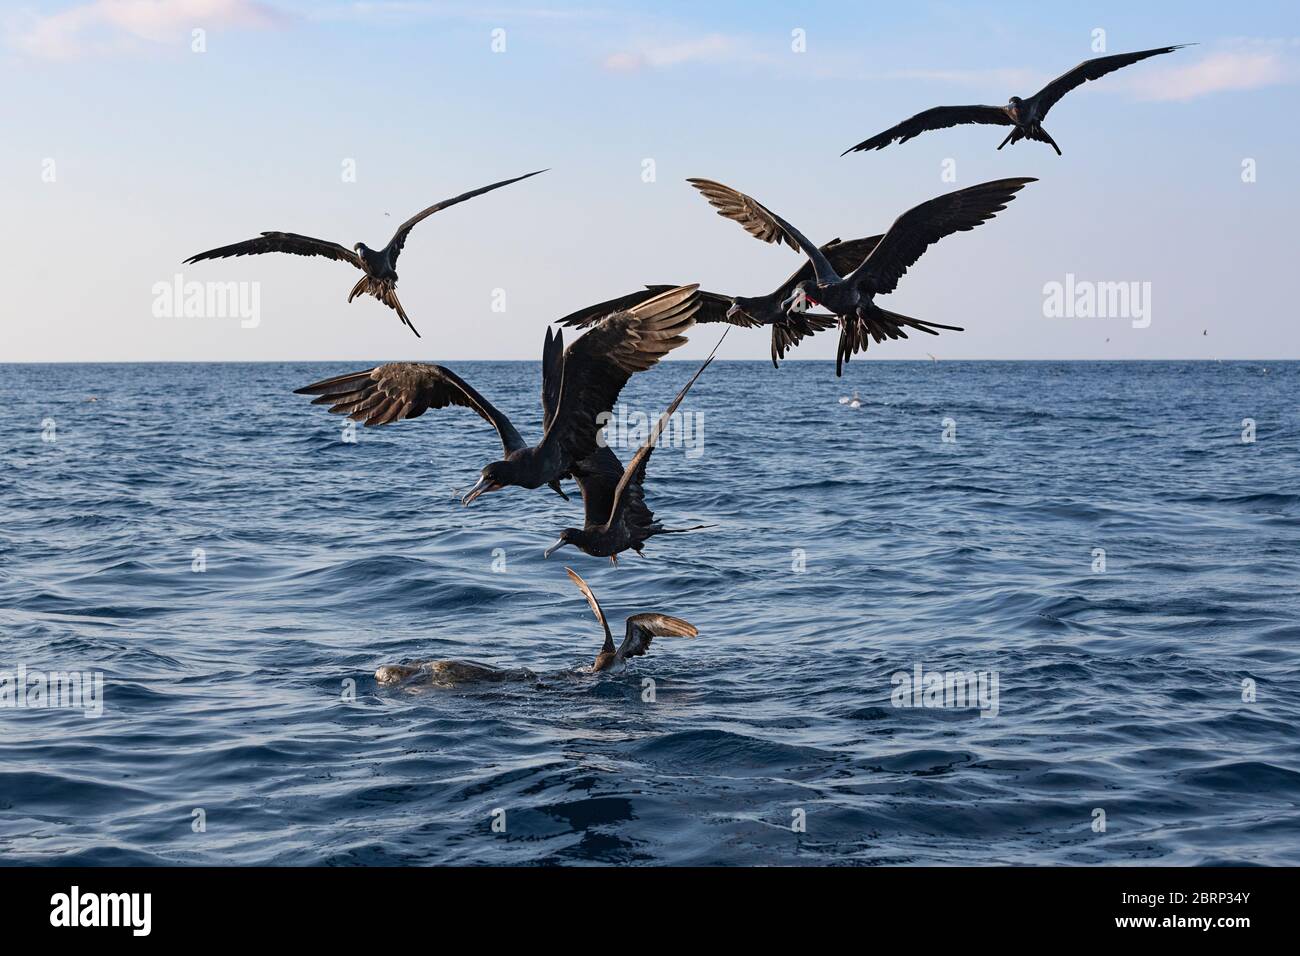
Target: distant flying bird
616,518
638,633
578,384
788,330
379,266
1025,115
850,297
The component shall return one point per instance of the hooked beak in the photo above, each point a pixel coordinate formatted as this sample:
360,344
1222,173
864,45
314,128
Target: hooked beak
553,548
483,487
789,305
734,311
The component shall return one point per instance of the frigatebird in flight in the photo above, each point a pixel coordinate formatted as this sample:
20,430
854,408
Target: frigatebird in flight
1025,115
850,297
615,516
578,385
379,265
788,329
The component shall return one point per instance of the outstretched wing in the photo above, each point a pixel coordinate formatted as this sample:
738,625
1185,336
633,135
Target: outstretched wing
940,117
598,365
713,308
552,371
642,628
289,242
921,226
595,606
761,223
736,206
1093,69
634,473
399,237
844,257
386,393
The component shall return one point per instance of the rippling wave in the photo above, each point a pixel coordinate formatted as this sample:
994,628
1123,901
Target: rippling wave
208,542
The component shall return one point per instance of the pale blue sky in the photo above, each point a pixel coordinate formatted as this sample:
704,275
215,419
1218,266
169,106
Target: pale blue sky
160,152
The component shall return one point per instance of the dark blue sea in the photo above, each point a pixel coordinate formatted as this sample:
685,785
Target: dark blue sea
236,571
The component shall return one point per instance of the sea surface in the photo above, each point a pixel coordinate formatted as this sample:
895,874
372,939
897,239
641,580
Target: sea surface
236,571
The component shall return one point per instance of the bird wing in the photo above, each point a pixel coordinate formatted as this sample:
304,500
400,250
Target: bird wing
289,242
761,223
552,372
634,473
939,117
598,365
844,257
595,606
921,226
735,205
594,313
1093,69
386,393
641,628
598,476
794,328
713,308
399,237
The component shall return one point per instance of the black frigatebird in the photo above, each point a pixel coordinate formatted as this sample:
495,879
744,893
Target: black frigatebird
615,515
788,329
849,297
578,385
379,265
1026,115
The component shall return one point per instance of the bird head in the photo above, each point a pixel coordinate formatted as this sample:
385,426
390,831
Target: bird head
567,536
360,247
494,477
801,299
1015,101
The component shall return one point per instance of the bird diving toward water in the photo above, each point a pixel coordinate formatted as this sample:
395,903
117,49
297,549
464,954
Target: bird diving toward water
613,497
788,329
379,265
578,385
850,296
639,631
1026,115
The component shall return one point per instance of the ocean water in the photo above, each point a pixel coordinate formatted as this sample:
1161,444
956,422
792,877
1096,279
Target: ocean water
241,722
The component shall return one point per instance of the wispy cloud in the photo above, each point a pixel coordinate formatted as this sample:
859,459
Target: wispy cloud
714,48
1250,65
116,26
407,10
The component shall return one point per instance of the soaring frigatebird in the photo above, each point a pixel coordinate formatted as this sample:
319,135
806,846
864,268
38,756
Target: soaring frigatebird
578,385
616,518
1026,115
788,329
850,296
379,265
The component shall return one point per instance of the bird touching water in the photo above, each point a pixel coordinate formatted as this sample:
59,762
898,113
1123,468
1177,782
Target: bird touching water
850,296
637,634
1026,115
379,265
578,385
639,631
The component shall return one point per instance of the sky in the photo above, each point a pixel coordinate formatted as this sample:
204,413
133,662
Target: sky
132,142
